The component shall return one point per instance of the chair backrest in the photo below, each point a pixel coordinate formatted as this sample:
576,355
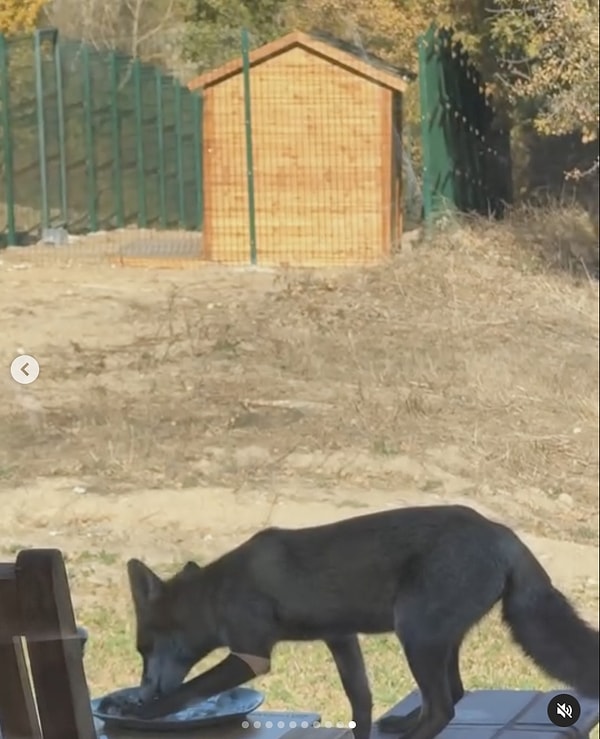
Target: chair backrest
36,611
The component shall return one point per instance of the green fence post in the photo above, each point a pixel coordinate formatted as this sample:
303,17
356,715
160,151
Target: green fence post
249,153
197,103
445,71
425,134
41,126
160,125
7,144
88,127
437,121
179,143
116,142
141,186
62,154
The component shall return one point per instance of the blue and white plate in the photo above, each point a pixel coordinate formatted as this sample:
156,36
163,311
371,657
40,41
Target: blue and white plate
220,709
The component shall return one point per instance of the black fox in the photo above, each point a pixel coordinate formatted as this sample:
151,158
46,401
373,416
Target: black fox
428,574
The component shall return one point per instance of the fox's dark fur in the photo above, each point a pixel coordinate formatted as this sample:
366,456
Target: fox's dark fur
428,574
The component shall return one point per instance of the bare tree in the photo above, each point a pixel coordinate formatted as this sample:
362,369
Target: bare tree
146,29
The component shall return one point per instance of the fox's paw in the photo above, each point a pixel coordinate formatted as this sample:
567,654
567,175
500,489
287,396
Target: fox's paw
399,724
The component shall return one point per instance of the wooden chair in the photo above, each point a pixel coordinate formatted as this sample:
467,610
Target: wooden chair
36,621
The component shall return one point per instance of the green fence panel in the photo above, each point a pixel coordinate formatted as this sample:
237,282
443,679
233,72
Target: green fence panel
7,190
170,129
466,160
197,105
42,83
189,168
74,143
94,140
139,143
179,156
150,138
128,139
103,144
115,142
25,141
60,121
89,138
160,152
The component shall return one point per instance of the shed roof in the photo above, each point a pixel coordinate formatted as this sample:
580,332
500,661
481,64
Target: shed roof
338,52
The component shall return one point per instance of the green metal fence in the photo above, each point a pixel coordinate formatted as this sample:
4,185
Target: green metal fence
466,155
93,140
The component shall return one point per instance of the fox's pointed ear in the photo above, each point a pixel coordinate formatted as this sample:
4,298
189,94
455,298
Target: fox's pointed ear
190,568
145,585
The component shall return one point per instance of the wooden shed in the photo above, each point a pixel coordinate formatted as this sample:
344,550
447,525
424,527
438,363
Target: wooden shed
326,137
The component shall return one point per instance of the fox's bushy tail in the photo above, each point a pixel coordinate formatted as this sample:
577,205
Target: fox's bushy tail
547,627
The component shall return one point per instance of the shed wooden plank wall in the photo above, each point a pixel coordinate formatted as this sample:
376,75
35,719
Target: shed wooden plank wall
322,155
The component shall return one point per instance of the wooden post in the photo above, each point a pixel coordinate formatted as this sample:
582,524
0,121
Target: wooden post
18,717
54,645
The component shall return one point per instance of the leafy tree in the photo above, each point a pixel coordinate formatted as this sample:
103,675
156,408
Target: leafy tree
213,33
145,29
17,16
388,28
549,62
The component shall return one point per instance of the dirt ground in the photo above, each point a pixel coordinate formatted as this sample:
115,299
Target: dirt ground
179,411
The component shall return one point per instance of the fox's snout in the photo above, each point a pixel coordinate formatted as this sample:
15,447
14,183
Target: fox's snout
162,675
149,691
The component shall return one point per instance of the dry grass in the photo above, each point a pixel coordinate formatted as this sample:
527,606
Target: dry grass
471,361
466,343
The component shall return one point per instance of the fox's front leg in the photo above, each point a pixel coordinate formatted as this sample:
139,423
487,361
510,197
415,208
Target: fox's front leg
234,670
350,664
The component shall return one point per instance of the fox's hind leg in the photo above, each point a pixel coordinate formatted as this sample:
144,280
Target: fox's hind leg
430,633
437,708
457,689
350,664
402,724
444,594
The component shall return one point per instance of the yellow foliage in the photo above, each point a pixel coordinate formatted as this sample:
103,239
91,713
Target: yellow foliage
18,16
386,28
562,71
551,54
